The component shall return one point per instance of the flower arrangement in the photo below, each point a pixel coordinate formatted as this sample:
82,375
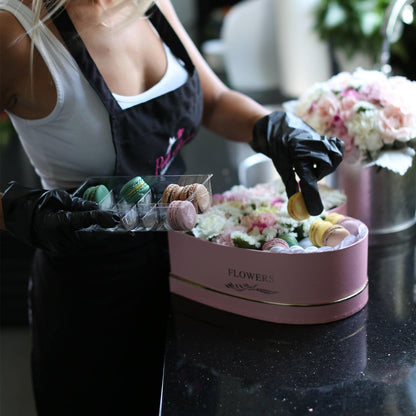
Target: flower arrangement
248,217
372,113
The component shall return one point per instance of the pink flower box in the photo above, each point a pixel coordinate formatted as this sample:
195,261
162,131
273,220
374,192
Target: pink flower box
289,288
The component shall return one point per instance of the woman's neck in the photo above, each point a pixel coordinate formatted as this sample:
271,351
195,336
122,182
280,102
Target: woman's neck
106,13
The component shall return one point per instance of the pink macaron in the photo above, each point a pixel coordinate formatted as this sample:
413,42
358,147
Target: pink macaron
275,242
351,224
181,215
334,235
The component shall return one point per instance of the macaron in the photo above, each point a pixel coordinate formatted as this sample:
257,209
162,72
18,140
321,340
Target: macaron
134,190
96,193
351,224
334,235
197,193
275,242
334,217
296,207
181,215
290,239
324,233
316,231
199,196
171,192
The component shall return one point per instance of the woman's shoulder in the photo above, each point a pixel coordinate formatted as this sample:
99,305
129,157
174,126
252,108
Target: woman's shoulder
10,28
14,41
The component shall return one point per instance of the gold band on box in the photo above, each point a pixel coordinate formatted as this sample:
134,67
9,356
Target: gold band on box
300,305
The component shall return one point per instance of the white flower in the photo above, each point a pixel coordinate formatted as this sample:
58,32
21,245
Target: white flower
269,233
211,224
246,241
311,95
364,126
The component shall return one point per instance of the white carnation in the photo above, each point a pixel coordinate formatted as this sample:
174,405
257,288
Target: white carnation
364,126
210,224
310,96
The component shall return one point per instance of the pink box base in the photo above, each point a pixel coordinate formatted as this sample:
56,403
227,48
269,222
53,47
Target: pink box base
291,288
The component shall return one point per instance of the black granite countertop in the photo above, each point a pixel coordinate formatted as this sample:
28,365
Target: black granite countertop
220,364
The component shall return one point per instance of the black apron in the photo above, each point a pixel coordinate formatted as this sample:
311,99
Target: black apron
99,318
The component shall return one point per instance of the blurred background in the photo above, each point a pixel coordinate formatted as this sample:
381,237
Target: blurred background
271,50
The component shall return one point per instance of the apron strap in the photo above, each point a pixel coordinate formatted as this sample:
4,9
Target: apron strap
81,55
169,36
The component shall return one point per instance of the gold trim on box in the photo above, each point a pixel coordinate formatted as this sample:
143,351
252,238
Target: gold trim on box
301,305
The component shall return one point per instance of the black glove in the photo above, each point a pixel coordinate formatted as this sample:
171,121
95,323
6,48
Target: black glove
51,219
293,147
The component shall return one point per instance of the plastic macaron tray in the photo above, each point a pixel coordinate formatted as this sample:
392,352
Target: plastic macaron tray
150,203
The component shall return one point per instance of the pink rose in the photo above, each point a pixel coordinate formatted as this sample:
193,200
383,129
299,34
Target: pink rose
349,92
340,81
395,125
376,93
347,106
326,108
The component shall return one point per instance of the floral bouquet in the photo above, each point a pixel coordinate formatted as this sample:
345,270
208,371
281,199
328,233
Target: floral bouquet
373,114
248,217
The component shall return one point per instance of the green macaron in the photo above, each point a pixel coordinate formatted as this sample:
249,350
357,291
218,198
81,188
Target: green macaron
290,239
134,190
96,193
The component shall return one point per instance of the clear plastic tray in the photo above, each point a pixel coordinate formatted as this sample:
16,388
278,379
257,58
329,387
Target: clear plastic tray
148,214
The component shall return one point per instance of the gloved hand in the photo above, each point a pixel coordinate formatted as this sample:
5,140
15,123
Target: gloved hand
293,147
51,219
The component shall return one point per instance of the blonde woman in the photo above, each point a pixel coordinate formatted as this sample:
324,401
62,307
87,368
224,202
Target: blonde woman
102,88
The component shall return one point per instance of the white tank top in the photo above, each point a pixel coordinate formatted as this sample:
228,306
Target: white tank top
74,141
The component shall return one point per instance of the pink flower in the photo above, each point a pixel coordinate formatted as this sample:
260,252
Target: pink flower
373,93
350,92
217,199
395,125
340,81
326,108
260,220
225,237
366,109
347,106
240,195
277,202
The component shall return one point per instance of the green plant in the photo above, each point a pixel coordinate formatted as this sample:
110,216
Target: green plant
351,25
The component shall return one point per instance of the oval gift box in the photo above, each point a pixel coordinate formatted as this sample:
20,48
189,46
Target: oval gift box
291,288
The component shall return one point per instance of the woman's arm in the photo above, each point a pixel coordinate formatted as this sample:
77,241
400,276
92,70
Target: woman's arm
9,61
226,112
